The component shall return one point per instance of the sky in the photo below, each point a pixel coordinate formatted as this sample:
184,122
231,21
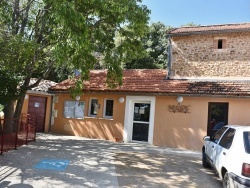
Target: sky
176,13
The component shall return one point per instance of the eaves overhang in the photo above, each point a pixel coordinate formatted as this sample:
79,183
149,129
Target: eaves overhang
155,93
207,32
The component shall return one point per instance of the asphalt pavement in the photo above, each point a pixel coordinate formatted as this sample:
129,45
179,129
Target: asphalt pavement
57,161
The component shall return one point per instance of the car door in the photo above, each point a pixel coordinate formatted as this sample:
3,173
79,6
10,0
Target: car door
213,144
222,152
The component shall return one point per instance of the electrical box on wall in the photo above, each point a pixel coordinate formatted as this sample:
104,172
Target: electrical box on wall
55,113
55,99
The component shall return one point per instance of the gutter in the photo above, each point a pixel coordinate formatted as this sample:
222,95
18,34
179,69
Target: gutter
169,61
51,111
208,32
140,93
38,92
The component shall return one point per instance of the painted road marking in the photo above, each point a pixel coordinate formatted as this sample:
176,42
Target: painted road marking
52,164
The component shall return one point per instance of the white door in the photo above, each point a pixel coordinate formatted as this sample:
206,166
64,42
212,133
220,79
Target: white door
139,119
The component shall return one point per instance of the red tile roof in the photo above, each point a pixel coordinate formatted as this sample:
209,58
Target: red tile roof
154,81
211,28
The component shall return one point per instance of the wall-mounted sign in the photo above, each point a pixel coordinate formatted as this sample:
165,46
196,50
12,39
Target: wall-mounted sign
37,104
142,110
136,110
179,108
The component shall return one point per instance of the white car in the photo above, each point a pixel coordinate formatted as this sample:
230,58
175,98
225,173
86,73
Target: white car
228,153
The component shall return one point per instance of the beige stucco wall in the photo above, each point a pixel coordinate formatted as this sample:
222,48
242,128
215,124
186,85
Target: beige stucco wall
175,130
48,108
91,127
195,56
186,130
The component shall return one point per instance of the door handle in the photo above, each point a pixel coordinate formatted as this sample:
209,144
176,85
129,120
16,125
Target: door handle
224,153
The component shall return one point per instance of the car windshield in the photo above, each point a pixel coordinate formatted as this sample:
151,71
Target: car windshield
246,136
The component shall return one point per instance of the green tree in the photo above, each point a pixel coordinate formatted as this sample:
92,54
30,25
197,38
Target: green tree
190,24
36,36
155,45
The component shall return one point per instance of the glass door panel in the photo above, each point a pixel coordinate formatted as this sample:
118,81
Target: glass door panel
141,122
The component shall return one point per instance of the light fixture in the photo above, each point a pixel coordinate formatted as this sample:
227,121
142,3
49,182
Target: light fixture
121,99
78,97
26,96
179,99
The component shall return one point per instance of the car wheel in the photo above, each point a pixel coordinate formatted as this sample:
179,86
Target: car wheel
226,183
204,160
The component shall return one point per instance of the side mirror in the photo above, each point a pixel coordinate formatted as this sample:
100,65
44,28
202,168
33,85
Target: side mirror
206,138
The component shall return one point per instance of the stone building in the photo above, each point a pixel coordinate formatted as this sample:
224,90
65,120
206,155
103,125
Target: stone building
211,52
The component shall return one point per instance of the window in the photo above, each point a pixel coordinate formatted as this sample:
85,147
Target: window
215,138
93,107
227,139
246,136
220,43
74,109
108,108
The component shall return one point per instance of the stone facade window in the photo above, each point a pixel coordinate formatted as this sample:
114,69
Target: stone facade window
220,43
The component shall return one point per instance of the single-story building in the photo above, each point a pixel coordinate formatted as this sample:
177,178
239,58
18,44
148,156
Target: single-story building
150,108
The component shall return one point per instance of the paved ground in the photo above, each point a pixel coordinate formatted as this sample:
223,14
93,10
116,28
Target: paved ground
65,161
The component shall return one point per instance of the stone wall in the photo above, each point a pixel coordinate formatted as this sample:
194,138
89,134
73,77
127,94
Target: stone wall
195,56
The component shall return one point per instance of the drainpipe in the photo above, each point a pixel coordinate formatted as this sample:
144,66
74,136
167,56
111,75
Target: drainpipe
169,61
51,111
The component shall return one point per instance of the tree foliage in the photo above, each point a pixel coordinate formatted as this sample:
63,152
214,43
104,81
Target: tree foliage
37,36
190,24
155,45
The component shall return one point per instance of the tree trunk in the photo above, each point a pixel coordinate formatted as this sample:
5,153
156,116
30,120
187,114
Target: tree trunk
8,117
19,107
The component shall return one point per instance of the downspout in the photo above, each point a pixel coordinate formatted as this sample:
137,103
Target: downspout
51,112
169,61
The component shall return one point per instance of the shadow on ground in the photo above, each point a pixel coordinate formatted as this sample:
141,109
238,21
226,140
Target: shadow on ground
99,163
157,170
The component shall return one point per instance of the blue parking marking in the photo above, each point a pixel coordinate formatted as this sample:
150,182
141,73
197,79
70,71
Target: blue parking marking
52,164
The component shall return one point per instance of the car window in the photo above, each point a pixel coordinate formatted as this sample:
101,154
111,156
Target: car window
227,139
215,138
246,136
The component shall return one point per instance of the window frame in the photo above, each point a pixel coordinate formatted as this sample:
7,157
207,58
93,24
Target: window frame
74,109
105,108
220,47
89,110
